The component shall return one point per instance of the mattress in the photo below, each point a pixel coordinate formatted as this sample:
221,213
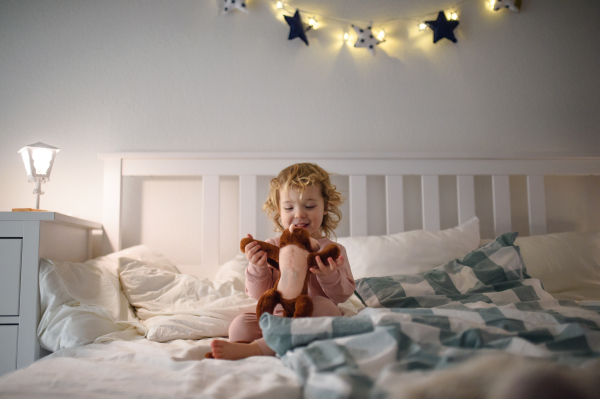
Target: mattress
146,369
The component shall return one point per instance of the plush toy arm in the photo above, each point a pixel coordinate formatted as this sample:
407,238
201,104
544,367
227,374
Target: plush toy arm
271,250
331,250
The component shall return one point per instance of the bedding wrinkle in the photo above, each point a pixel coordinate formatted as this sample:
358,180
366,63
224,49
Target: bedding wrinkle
246,327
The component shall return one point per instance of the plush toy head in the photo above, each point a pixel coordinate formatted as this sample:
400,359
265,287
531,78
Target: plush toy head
297,237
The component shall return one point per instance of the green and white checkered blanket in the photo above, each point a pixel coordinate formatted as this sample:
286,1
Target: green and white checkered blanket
484,303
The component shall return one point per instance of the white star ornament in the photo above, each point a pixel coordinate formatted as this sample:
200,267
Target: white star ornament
513,5
228,5
366,38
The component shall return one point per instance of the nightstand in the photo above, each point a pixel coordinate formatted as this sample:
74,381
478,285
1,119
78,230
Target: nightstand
25,238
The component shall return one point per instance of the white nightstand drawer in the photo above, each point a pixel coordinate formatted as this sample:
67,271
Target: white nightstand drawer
10,276
8,348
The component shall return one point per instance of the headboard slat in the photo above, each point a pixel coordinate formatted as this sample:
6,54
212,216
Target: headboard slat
501,204
394,200
465,188
358,206
210,220
430,189
536,197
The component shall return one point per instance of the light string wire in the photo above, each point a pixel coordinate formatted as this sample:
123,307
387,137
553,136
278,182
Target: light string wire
419,19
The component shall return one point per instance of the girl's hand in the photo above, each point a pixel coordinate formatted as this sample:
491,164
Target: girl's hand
326,270
254,254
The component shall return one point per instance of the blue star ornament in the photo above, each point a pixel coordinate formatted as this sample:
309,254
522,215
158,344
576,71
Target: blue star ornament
366,38
513,5
442,28
297,27
228,5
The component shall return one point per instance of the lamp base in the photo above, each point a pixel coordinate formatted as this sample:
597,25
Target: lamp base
28,210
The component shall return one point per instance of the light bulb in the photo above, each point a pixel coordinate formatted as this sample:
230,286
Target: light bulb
422,26
491,4
381,35
311,22
453,16
279,5
346,35
41,160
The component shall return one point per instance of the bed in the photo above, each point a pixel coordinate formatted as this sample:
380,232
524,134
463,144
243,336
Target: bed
437,310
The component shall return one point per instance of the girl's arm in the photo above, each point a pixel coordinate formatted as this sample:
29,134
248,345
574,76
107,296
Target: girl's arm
339,285
259,279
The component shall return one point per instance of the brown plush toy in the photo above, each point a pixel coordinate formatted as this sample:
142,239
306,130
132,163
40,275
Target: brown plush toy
293,258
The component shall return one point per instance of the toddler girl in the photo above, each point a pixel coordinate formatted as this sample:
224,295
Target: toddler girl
300,197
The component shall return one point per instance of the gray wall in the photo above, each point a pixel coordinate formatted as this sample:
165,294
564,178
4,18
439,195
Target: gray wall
125,75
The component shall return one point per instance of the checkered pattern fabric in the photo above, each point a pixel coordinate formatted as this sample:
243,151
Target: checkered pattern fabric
484,303
494,273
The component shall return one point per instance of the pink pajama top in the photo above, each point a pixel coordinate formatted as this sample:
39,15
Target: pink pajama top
338,286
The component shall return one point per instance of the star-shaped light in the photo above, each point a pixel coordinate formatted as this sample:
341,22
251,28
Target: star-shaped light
513,5
366,38
297,27
228,5
442,28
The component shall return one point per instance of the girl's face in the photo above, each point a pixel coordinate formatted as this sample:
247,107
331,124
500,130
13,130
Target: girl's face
306,213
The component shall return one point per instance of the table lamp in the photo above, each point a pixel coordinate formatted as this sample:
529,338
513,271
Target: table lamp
38,159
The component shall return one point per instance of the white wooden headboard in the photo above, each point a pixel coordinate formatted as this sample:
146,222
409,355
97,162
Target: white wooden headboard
357,166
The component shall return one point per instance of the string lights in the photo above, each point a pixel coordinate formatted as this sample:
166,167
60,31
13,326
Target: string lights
443,27
513,5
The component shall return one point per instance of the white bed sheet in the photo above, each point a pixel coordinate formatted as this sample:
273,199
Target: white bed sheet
146,369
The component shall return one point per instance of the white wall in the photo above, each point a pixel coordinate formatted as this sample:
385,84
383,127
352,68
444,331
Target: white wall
124,75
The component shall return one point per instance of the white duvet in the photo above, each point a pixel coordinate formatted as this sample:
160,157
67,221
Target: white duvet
146,369
180,306
136,293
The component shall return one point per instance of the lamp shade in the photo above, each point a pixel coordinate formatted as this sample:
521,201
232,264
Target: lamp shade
38,159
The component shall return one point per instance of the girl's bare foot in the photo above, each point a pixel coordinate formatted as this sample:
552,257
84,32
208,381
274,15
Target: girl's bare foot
234,350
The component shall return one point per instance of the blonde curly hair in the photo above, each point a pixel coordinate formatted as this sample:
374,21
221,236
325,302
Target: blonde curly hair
299,176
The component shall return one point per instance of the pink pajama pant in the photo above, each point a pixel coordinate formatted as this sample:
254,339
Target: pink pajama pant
245,327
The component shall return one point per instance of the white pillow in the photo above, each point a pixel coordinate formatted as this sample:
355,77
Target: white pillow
567,263
235,271
410,252
82,302
142,253
68,326
156,293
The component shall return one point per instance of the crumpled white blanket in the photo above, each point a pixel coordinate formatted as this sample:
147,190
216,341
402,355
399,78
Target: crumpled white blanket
181,306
